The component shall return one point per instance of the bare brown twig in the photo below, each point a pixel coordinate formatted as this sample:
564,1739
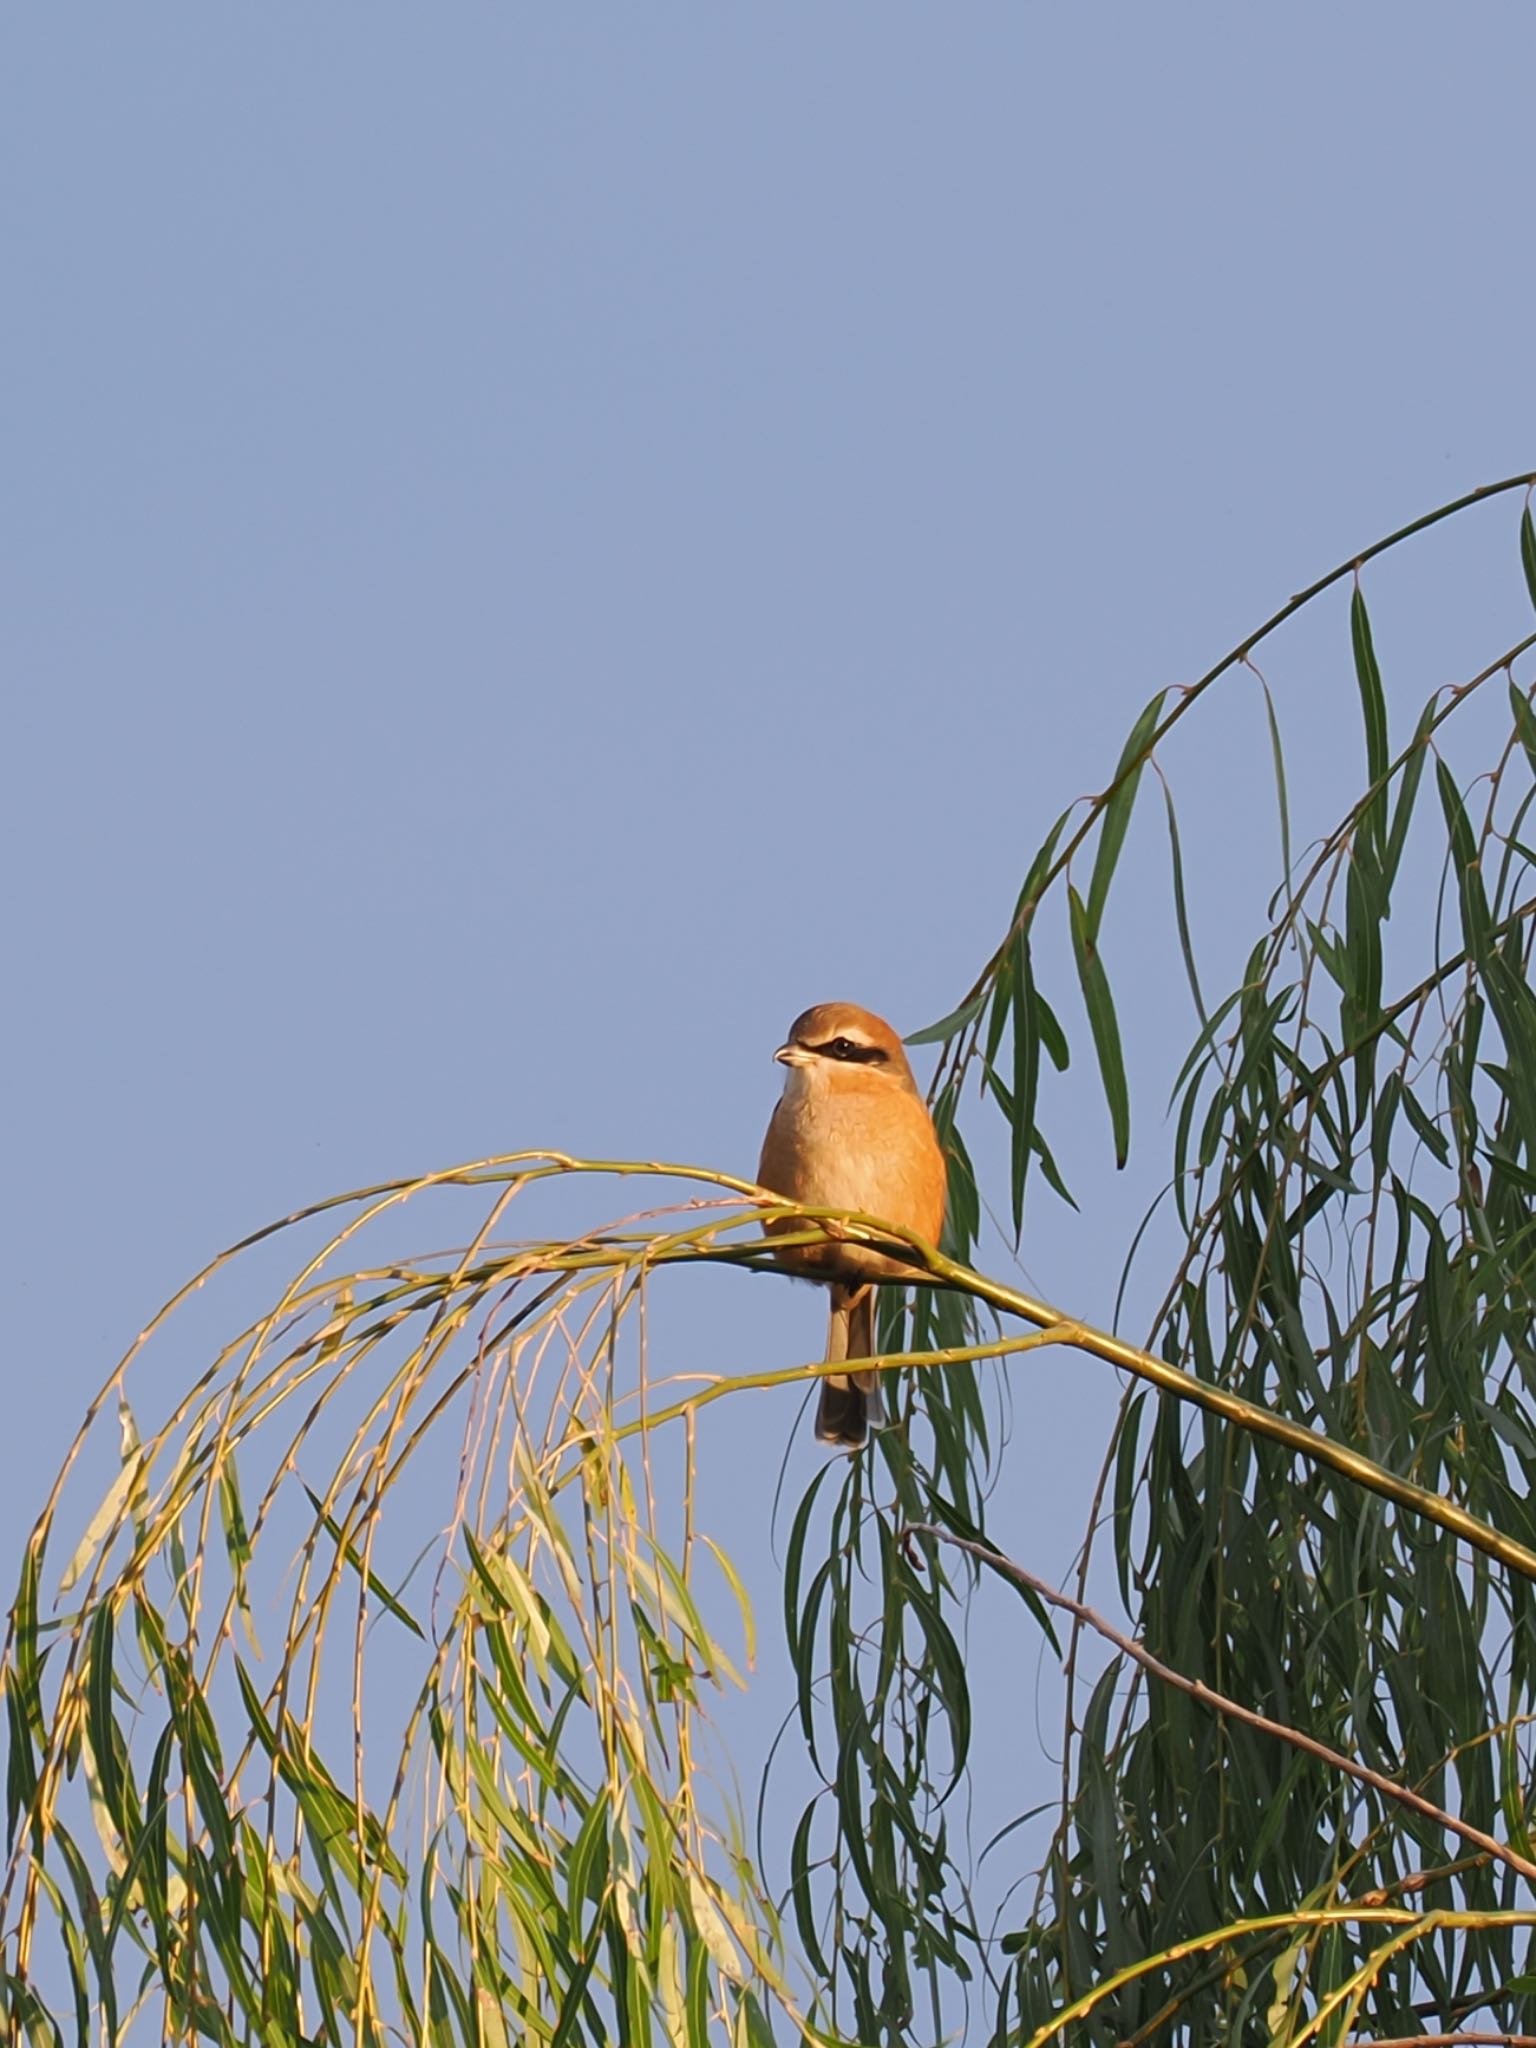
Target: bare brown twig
1439,2040
1234,1708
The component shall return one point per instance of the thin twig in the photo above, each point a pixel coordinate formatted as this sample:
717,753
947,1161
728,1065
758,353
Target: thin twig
1187,696
1438,2040
1234,1708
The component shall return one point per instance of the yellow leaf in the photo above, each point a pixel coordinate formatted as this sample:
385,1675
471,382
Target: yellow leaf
104,1520
712,1930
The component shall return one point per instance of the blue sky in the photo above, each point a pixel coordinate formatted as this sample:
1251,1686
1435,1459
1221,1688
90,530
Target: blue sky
538,542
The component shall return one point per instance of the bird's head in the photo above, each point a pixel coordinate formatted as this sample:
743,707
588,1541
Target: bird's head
838,1044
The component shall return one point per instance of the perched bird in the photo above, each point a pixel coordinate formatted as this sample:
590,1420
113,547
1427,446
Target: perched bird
851,1131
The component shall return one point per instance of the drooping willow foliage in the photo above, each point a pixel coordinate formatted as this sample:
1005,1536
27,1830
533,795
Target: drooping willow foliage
466,1790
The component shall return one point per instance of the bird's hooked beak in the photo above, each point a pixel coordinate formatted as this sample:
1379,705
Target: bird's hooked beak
792,1056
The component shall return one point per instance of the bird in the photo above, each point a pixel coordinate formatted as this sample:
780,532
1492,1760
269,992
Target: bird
851,1131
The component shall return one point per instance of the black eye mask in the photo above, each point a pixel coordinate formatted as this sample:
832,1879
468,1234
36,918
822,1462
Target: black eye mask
846,1049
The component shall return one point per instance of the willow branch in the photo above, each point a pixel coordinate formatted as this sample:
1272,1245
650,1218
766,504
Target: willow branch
1187,696
1247,1415
1440,2040
1233,1709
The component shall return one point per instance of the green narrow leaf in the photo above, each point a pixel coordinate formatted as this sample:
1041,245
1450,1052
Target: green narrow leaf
1051,1171
1464,860
743,1601
800,1617
1277,755
1510,997
676,1597
1005,989
1364,904
1388,1097
1524,717
1102,1023
85,1935
376,1587
854,1822
205,1767
1026,1074
1180,907
148,1850
587,1869
797,1535
1039,868
698,1995
1052,1037
541,1758
946,1672
20,2002
998,980
237,1539
1408,789
800,1891
1528,551
1117,811
256,1713
1329,949
100,1726
1374,705
1127,1437
751,2029
447,2003
20,1767
156,1838
950,1026
237,1544
1099,1822
962,1222
24,1622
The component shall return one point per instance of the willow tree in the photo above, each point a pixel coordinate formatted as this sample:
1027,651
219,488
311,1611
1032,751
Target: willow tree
461,1797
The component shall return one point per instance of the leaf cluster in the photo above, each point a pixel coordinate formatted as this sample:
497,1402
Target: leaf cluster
465,1792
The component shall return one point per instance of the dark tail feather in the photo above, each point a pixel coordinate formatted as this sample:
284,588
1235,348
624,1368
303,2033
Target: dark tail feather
850,1404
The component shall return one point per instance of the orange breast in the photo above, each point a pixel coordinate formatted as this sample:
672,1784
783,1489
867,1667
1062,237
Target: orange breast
871,1149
